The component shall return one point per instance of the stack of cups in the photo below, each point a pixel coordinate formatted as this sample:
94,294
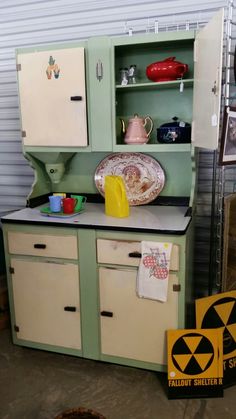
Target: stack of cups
58,203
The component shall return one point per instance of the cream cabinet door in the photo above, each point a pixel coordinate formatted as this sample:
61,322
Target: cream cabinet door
53,97
207,83
46,302
134,327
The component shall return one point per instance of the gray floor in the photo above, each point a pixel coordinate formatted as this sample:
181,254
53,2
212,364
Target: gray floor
38,385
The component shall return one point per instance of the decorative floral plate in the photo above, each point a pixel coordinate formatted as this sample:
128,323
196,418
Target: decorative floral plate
143,176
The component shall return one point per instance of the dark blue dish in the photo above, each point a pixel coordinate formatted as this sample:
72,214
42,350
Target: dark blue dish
175,132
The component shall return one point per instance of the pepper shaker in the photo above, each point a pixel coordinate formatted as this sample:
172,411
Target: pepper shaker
132,76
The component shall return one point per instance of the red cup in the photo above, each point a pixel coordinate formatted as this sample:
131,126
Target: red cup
68,205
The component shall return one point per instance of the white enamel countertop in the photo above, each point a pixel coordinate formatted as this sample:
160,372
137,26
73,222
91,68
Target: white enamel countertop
147,217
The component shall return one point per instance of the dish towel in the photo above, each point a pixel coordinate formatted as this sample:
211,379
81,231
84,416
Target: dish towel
153,273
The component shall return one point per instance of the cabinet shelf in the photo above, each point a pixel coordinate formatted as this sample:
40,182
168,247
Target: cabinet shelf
150,148
155,85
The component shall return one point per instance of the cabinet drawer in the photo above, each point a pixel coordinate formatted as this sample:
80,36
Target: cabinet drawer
43,245
128,253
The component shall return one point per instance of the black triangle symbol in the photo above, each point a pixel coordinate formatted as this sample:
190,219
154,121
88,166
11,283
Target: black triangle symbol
232,316
193,367
211,319
204,347
180,347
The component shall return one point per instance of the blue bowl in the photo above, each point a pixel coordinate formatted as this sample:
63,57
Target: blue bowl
174,132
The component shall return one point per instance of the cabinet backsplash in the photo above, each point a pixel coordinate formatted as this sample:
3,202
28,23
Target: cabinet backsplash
79,174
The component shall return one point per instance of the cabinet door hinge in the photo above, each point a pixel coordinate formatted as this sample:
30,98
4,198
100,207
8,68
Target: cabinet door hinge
18,67
214,120
176,287
193,132
195,51
16,328
11,270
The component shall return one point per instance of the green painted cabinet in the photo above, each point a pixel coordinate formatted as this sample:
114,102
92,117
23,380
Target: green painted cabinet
80,273
112,104
63,281
161,101
96,79
194,99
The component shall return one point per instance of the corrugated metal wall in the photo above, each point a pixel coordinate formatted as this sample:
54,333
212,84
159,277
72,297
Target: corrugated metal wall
34,22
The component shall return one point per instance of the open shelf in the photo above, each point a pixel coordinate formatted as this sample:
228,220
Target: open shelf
151,148
156,85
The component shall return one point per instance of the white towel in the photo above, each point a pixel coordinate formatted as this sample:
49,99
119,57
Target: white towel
153,273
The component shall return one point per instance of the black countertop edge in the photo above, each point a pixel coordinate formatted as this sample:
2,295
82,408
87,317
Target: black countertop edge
95,227
182,201
189,212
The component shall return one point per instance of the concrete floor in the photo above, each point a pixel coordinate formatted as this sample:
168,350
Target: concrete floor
38,385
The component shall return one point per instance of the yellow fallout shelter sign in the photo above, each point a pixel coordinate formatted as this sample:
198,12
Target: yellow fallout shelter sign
219,311
195,363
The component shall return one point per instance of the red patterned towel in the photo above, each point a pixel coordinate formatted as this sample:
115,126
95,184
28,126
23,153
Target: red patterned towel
153,273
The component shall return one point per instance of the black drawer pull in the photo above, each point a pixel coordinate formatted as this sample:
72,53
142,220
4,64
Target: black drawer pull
70,308
75,98
107,313
39,246
135,255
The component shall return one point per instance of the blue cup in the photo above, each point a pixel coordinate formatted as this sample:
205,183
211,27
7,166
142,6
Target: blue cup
55,203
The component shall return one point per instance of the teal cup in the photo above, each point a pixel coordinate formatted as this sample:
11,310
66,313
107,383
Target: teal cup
80,202
55,203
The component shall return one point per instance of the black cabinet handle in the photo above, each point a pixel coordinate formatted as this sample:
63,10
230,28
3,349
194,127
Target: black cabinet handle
76,98
107,313
135,255
39,246
70,308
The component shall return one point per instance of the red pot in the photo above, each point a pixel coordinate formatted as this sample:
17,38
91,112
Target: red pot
166,70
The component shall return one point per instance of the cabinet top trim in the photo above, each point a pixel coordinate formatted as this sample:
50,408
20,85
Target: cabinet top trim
154,37
115,41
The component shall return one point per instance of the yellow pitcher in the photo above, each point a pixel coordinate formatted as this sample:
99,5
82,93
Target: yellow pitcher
116,202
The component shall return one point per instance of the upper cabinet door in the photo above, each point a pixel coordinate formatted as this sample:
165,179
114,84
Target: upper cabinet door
53,97
207,83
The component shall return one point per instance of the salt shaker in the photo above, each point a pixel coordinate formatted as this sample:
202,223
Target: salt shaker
124,72
132,74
